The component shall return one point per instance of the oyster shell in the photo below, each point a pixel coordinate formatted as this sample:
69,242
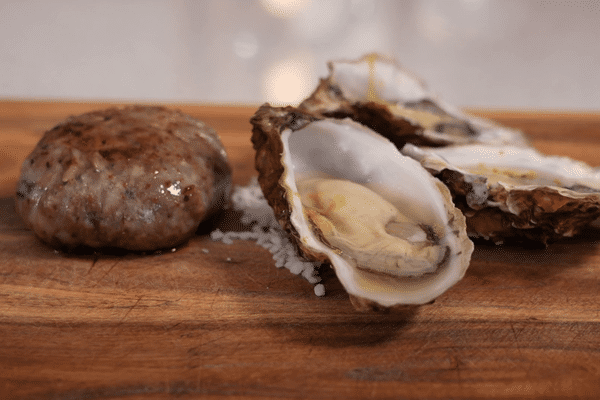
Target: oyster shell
377,92
347,196
515,192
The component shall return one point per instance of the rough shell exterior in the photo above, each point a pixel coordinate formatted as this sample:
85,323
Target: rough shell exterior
330,100
500,211
138,178
268,124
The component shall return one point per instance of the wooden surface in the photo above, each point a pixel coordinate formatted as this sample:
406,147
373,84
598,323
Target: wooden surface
213,320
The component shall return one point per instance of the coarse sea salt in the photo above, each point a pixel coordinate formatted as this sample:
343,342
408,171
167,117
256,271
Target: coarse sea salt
263,228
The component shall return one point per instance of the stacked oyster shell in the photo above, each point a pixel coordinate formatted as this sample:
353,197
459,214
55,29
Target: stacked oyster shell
515,193
383,180
377,92
505,188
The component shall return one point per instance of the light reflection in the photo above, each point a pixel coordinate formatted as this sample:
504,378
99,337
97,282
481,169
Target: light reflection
288,81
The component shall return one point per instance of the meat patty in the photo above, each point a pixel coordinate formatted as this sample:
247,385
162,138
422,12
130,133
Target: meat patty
138,178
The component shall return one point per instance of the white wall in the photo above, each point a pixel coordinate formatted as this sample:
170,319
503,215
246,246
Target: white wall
488,53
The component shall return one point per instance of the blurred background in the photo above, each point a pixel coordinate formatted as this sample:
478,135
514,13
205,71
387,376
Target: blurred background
477,53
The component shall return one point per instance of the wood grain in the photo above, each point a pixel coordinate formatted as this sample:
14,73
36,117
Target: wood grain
212,320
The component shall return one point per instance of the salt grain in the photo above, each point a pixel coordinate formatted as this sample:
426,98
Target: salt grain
258,216
216,234
320,290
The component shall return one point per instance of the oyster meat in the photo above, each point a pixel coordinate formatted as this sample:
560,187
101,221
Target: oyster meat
347,196
377,92
515,192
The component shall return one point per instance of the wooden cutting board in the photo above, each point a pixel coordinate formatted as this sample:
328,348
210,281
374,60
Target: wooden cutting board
214,320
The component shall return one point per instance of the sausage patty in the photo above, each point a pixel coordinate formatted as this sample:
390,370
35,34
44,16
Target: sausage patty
138,178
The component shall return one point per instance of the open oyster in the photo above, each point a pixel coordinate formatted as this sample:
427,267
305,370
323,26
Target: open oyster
376,91
515,192
347,196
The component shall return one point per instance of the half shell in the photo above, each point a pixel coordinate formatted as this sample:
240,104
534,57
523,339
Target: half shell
377,92
515,192
347,196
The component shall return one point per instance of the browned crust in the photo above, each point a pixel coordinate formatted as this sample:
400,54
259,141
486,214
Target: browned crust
102,179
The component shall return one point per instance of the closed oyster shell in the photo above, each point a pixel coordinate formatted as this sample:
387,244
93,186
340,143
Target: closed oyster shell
377,92
424,249
509,192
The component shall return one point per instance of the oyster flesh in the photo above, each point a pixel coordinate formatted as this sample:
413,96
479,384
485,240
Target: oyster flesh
348,197
377,92
515,192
